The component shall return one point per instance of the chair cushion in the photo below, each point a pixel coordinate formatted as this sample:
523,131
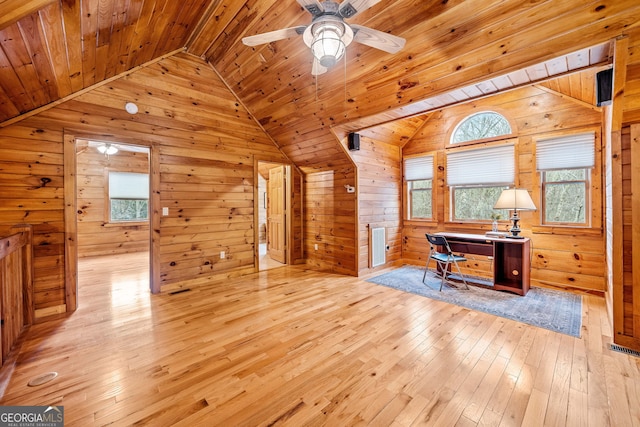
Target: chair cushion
444,257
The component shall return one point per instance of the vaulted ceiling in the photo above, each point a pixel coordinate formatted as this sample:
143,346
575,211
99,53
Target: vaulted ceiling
455,50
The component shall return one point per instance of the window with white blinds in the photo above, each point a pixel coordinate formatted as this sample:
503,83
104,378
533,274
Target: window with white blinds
484,166
565,165
418,174
566,152
418,168
128,197
128,185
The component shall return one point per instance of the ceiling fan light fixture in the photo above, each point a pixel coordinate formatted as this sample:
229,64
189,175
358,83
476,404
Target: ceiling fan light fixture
107,149
328,45
328,36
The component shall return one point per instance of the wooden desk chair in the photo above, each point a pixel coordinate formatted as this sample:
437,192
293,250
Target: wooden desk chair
443,259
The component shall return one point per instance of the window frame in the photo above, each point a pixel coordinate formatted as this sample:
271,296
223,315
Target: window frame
593,202
587,202
451,133
407,187
450,189
409,203
126,221
108,220
452,199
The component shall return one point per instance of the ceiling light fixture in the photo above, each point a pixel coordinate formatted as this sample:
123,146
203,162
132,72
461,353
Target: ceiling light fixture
328,39
328,36
107,149
131,107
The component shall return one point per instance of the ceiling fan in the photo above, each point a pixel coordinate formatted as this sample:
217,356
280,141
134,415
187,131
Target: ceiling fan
108,148
328,35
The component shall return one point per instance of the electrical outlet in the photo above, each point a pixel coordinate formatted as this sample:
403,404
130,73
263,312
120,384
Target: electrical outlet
222,255
315,247
165,211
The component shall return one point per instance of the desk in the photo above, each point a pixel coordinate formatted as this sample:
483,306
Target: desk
511,258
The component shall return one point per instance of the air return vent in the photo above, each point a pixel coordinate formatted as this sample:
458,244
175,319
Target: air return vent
620,349
377,246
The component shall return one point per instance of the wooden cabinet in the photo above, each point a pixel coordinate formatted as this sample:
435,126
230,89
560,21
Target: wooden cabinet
511,258
511,265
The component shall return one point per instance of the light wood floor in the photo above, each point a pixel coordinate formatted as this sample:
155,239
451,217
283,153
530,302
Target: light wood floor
296,347
265,262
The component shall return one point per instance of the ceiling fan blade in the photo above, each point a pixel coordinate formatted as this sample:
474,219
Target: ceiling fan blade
317,69
314,7
350,8
374,38
273,36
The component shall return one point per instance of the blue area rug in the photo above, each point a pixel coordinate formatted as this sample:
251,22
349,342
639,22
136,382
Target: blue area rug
546,308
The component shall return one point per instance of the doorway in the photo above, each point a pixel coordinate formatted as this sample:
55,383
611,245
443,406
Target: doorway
273,215
112,189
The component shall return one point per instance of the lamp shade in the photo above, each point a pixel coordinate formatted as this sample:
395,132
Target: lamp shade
515,198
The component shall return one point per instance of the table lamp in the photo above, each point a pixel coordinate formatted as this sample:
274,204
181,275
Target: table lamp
516,199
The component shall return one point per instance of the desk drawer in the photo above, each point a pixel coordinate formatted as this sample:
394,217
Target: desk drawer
472,248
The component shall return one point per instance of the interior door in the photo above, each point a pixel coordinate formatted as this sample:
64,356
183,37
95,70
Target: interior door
276,215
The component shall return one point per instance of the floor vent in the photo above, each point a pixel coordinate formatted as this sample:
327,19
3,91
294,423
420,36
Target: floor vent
620,349
180,291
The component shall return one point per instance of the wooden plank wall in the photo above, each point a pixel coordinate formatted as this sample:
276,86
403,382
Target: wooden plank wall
96,236
330,220
562,257
627,326
297,218
379,197
206,141
631,105
31,172
626,306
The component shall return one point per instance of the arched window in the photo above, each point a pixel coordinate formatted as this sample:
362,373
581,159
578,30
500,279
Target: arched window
486,124
476,177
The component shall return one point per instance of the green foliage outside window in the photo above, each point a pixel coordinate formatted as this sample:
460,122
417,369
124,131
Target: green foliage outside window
476,203
129,210
565,196
480,126
420,196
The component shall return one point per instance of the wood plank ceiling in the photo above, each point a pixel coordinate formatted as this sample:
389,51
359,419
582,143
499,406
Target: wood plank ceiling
456,50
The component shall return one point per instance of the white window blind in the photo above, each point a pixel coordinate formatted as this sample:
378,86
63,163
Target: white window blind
128,185
418,168
566,152
493,165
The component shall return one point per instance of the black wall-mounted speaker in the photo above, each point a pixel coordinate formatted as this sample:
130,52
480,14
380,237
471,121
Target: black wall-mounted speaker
604,87
354,141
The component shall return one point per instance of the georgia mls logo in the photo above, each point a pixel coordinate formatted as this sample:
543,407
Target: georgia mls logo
55,409
31,416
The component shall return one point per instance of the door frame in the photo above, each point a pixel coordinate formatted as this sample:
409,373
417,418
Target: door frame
71,208
288,209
